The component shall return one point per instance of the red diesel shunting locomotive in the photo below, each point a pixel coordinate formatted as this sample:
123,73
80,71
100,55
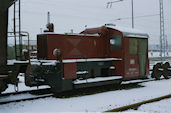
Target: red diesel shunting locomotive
130,47
96,54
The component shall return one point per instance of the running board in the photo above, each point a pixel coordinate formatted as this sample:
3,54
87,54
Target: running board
98,81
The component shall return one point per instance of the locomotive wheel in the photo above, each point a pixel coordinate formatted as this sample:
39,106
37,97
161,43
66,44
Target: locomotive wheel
156,71
166,72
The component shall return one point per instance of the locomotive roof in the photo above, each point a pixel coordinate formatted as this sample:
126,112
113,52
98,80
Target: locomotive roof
129,32
94,31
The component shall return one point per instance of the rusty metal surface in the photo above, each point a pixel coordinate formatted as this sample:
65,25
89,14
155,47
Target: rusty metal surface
136,105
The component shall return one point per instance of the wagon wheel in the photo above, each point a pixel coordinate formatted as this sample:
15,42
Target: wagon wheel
166,71
157,71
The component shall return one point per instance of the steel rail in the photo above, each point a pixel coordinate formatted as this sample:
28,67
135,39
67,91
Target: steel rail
25,99
122,86
136,105
26,91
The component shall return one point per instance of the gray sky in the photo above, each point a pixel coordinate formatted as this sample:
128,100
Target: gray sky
75,14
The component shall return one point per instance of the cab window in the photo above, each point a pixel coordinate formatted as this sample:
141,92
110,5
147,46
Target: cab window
115,42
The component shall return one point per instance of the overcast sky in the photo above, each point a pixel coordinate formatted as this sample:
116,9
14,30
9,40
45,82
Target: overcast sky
75,14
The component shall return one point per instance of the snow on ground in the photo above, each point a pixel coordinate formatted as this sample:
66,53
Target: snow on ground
92,103
21,86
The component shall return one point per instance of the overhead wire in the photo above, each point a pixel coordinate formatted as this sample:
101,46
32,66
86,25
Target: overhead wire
144,16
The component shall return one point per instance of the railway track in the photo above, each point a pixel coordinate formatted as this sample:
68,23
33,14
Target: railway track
26,99
36,94
39,91
44,93
136,105
74,93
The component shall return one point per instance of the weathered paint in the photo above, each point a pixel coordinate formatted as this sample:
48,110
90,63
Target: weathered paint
127,65
69,70
78,46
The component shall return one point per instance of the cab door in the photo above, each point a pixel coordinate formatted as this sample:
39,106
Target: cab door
142,51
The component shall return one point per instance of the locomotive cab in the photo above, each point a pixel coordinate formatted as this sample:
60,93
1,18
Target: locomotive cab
129,45
132,47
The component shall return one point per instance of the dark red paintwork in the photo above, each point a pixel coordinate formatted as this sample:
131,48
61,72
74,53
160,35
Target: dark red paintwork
70,70
80,46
